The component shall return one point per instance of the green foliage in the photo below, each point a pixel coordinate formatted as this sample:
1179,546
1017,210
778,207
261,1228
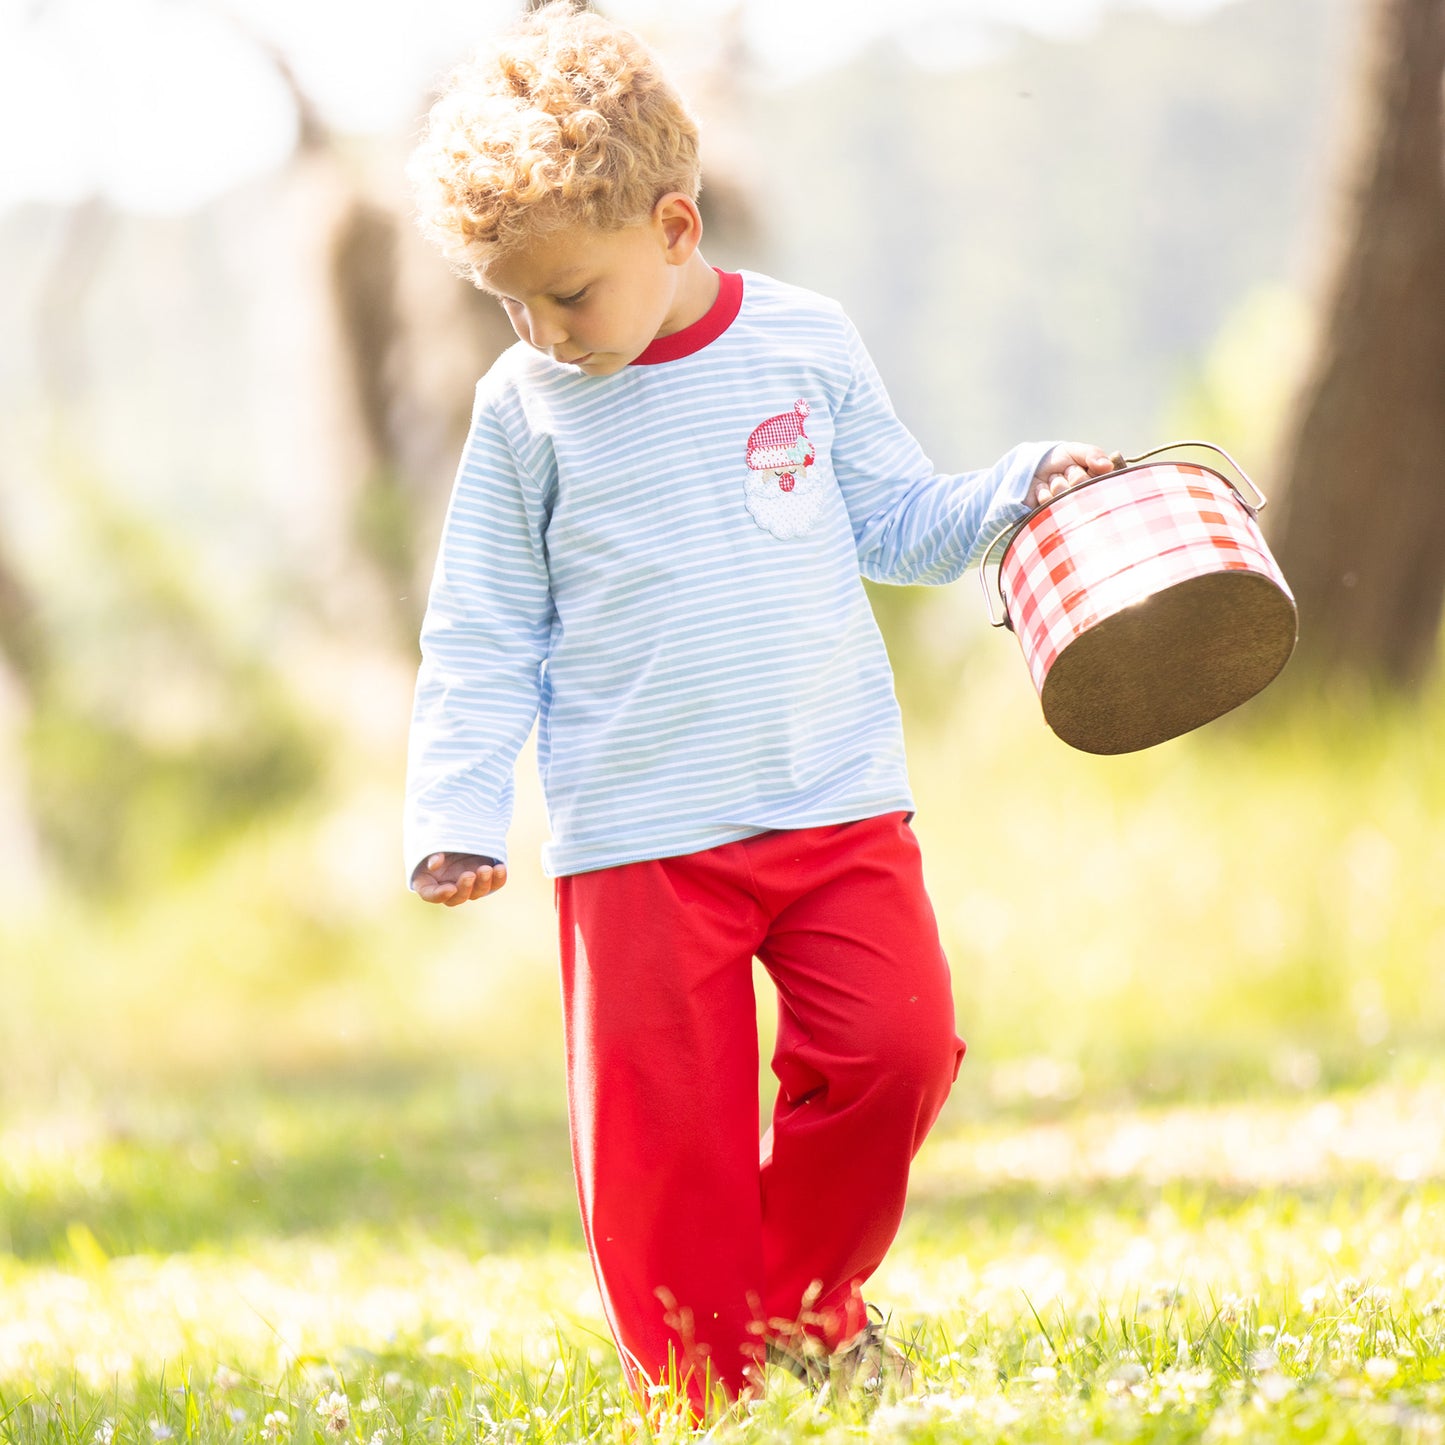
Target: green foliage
117,810
1240,393
155,733
386,531
334,1155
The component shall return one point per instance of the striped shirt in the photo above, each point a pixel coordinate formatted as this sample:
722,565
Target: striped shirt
662,569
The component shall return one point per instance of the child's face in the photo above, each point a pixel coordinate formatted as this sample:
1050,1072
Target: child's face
594,299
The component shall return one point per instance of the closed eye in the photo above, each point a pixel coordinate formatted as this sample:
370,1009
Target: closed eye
575,299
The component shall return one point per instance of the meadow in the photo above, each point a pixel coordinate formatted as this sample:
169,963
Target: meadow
283,1153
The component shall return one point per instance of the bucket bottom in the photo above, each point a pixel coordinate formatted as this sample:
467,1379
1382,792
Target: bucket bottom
1169,663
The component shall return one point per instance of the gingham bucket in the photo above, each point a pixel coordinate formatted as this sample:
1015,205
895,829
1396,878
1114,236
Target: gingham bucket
1145,601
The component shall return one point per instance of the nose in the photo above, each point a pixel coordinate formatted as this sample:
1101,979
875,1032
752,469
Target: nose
538,329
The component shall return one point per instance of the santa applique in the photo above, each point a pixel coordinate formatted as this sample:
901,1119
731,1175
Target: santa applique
783,494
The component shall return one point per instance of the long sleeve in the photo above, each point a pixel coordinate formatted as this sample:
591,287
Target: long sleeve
484,641
910,523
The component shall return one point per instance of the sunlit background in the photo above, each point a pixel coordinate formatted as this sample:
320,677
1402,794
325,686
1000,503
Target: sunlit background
233,386
235,383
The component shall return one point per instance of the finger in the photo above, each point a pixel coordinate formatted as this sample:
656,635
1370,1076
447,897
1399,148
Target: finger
424,871
430,892
435,863
463,889
1083,454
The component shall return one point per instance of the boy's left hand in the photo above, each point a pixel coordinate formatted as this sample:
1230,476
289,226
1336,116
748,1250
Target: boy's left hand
1066,466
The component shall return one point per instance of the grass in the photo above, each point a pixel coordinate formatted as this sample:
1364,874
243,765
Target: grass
283,1155
1273,1270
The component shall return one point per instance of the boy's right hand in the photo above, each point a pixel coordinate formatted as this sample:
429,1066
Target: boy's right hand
454,878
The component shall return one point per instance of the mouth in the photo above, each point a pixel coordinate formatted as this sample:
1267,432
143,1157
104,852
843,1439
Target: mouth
574,360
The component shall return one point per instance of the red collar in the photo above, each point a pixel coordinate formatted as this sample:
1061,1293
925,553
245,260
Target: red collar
720,315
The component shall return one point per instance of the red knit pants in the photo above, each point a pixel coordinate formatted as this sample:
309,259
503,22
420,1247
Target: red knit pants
700,1249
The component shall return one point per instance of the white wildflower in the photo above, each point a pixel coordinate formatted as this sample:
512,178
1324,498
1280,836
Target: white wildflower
370,1405
334,1410
1184,1384
226,1379
1380,1370
998,1411
236,1415
1273,1387
1263,1359
1126,1378
160,1430
1226,1425
921,1409
1042,1375
275,1423
105,1432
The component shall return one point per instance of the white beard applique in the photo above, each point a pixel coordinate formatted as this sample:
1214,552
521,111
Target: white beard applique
784,496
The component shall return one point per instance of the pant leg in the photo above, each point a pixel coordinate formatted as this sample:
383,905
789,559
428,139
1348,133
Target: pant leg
662,1064
865,1057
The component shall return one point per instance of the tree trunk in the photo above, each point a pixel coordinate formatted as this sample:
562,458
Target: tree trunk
1362,531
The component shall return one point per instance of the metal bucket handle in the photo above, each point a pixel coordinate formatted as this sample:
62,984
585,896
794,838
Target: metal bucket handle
1121,464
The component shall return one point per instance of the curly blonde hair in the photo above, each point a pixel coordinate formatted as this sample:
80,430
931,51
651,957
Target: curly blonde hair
564,119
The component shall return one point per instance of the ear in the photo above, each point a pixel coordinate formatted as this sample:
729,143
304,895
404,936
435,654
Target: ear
679,226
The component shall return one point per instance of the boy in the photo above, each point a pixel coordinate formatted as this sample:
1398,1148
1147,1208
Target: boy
654,548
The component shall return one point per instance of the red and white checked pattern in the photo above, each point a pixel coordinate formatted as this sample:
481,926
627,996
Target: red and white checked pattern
1104,546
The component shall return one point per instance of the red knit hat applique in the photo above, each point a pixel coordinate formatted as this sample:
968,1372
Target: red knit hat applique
782,497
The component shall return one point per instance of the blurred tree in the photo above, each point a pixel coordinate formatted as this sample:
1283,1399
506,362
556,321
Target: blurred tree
341,248
22,646
1361,534
21,660
386,334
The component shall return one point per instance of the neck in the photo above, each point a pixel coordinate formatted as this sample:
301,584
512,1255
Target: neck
697,289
